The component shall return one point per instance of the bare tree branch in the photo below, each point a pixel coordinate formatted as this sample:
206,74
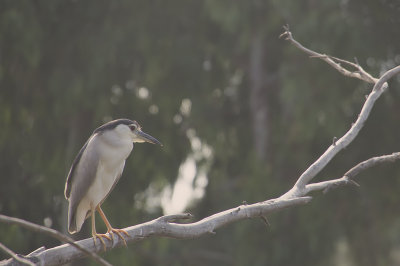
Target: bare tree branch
15,256
359,74
352,173
343,142
371,163
53,233
166,227
163,227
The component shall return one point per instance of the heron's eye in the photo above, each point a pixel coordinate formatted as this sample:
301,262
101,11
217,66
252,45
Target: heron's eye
132,127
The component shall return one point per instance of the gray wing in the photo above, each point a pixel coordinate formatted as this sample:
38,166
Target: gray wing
67,190
80,177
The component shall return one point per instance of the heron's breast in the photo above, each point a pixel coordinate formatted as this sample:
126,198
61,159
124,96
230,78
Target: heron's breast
103,182
110,167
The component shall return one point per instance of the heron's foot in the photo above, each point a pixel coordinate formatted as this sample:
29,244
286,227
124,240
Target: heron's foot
111,231
100,237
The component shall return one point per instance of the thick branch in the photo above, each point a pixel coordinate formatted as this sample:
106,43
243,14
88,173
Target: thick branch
162,227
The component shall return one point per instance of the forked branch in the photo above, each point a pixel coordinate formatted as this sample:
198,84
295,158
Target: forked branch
380,85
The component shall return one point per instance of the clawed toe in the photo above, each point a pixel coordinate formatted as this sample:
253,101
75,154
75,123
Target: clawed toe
118,232
100,237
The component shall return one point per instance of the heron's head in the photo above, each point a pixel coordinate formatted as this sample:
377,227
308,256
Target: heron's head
127,129
138,135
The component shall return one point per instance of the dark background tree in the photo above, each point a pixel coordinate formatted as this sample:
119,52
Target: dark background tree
215,70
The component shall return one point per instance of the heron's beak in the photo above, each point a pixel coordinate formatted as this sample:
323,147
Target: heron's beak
147,138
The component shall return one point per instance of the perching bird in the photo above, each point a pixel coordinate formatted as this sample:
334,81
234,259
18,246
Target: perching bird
97,169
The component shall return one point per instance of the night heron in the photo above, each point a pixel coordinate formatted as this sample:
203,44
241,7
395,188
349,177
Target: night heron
97,169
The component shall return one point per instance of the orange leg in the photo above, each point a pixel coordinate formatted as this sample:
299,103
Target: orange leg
95,234
110,229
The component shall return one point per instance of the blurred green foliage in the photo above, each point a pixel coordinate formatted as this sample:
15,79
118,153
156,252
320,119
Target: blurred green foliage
68,66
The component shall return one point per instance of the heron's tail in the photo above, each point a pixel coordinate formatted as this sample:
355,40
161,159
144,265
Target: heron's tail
71,220
77,216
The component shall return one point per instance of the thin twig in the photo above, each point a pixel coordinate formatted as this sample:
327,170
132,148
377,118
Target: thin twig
371,163
333,61
15,256
53,233
348,177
